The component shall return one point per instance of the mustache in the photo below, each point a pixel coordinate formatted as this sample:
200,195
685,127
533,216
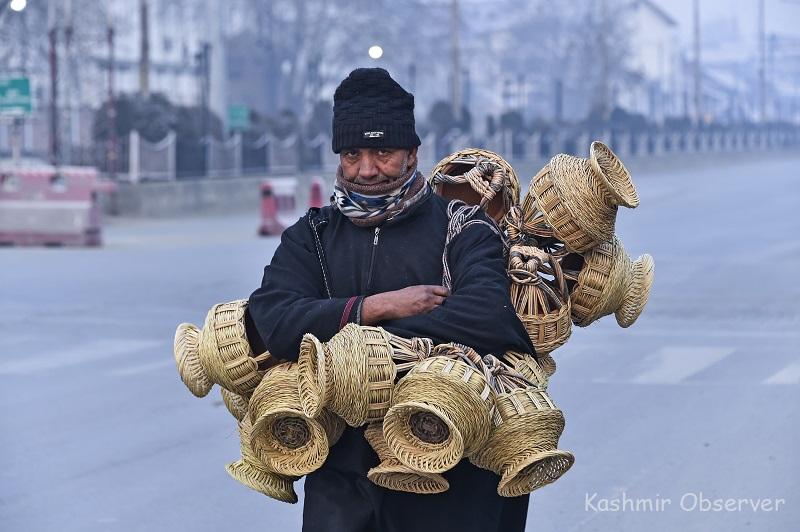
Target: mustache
380,178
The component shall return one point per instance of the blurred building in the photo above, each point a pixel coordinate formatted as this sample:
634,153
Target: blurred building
655,90
176,31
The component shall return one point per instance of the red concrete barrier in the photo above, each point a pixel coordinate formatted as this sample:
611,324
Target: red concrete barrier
42,206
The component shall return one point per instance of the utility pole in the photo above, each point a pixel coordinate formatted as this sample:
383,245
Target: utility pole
68,79
202,60
456,62
53,58
111,107
206,87
144,59
602,36
698,95
762,53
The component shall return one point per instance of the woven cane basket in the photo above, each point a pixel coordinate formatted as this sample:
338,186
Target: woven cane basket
291,443
441,412
609,283
522,448
392,474
218,353
255,474
536,370
236,404
579,197
478,177
526,225
353,374
542,304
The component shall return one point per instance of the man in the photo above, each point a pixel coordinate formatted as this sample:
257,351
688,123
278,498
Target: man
375,258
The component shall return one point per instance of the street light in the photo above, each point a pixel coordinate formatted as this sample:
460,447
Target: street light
375,51
18,5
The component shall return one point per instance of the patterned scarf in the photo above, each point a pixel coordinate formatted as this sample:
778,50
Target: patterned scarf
371,205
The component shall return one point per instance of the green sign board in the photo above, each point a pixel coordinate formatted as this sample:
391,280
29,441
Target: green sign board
15,96
238,116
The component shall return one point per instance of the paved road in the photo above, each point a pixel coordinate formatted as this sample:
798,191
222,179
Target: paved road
697,401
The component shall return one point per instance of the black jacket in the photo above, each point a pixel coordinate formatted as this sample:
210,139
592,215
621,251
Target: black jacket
297,296
323,268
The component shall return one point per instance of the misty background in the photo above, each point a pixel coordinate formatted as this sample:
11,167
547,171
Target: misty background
220,80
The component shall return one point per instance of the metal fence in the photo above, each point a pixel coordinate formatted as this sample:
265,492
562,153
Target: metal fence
172,158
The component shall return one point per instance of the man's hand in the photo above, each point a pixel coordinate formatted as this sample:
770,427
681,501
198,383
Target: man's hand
403,303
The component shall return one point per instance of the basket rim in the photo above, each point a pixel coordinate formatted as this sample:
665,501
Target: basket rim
624,192
455,442
513,186
436,480
643,276
313,394
316,444
282,490
190,369
510,483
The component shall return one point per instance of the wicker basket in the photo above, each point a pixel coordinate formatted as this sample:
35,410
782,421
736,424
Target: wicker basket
218,353
392,474
536,370
522,446
542,304
525,225
578,198
236,404
255,474
609,282
353,374
441,412
478,177
291,443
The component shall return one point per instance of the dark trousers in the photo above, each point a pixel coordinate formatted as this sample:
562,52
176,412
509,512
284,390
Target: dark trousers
342,499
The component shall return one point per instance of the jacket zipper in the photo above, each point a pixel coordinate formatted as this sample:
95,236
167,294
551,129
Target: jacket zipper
320,253
372,260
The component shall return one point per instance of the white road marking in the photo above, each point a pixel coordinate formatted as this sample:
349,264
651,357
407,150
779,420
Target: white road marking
721,331
671,365
788,375
26,363
142,368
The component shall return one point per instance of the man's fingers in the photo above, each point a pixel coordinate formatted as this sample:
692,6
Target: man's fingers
441,291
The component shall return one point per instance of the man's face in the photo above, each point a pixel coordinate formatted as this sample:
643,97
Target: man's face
375,166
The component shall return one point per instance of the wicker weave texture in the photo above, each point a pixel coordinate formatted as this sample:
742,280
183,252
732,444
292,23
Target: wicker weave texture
394,475
522,448
218,353
579,197
610,283
609,168
441,412
236,404
353,374
291,443
478,177
228,359
251,471
186,348
537,371
542,303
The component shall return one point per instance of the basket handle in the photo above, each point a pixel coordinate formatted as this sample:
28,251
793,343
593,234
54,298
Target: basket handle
504,377
524,264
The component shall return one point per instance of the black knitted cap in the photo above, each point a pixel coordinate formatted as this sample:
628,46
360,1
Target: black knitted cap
371,110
